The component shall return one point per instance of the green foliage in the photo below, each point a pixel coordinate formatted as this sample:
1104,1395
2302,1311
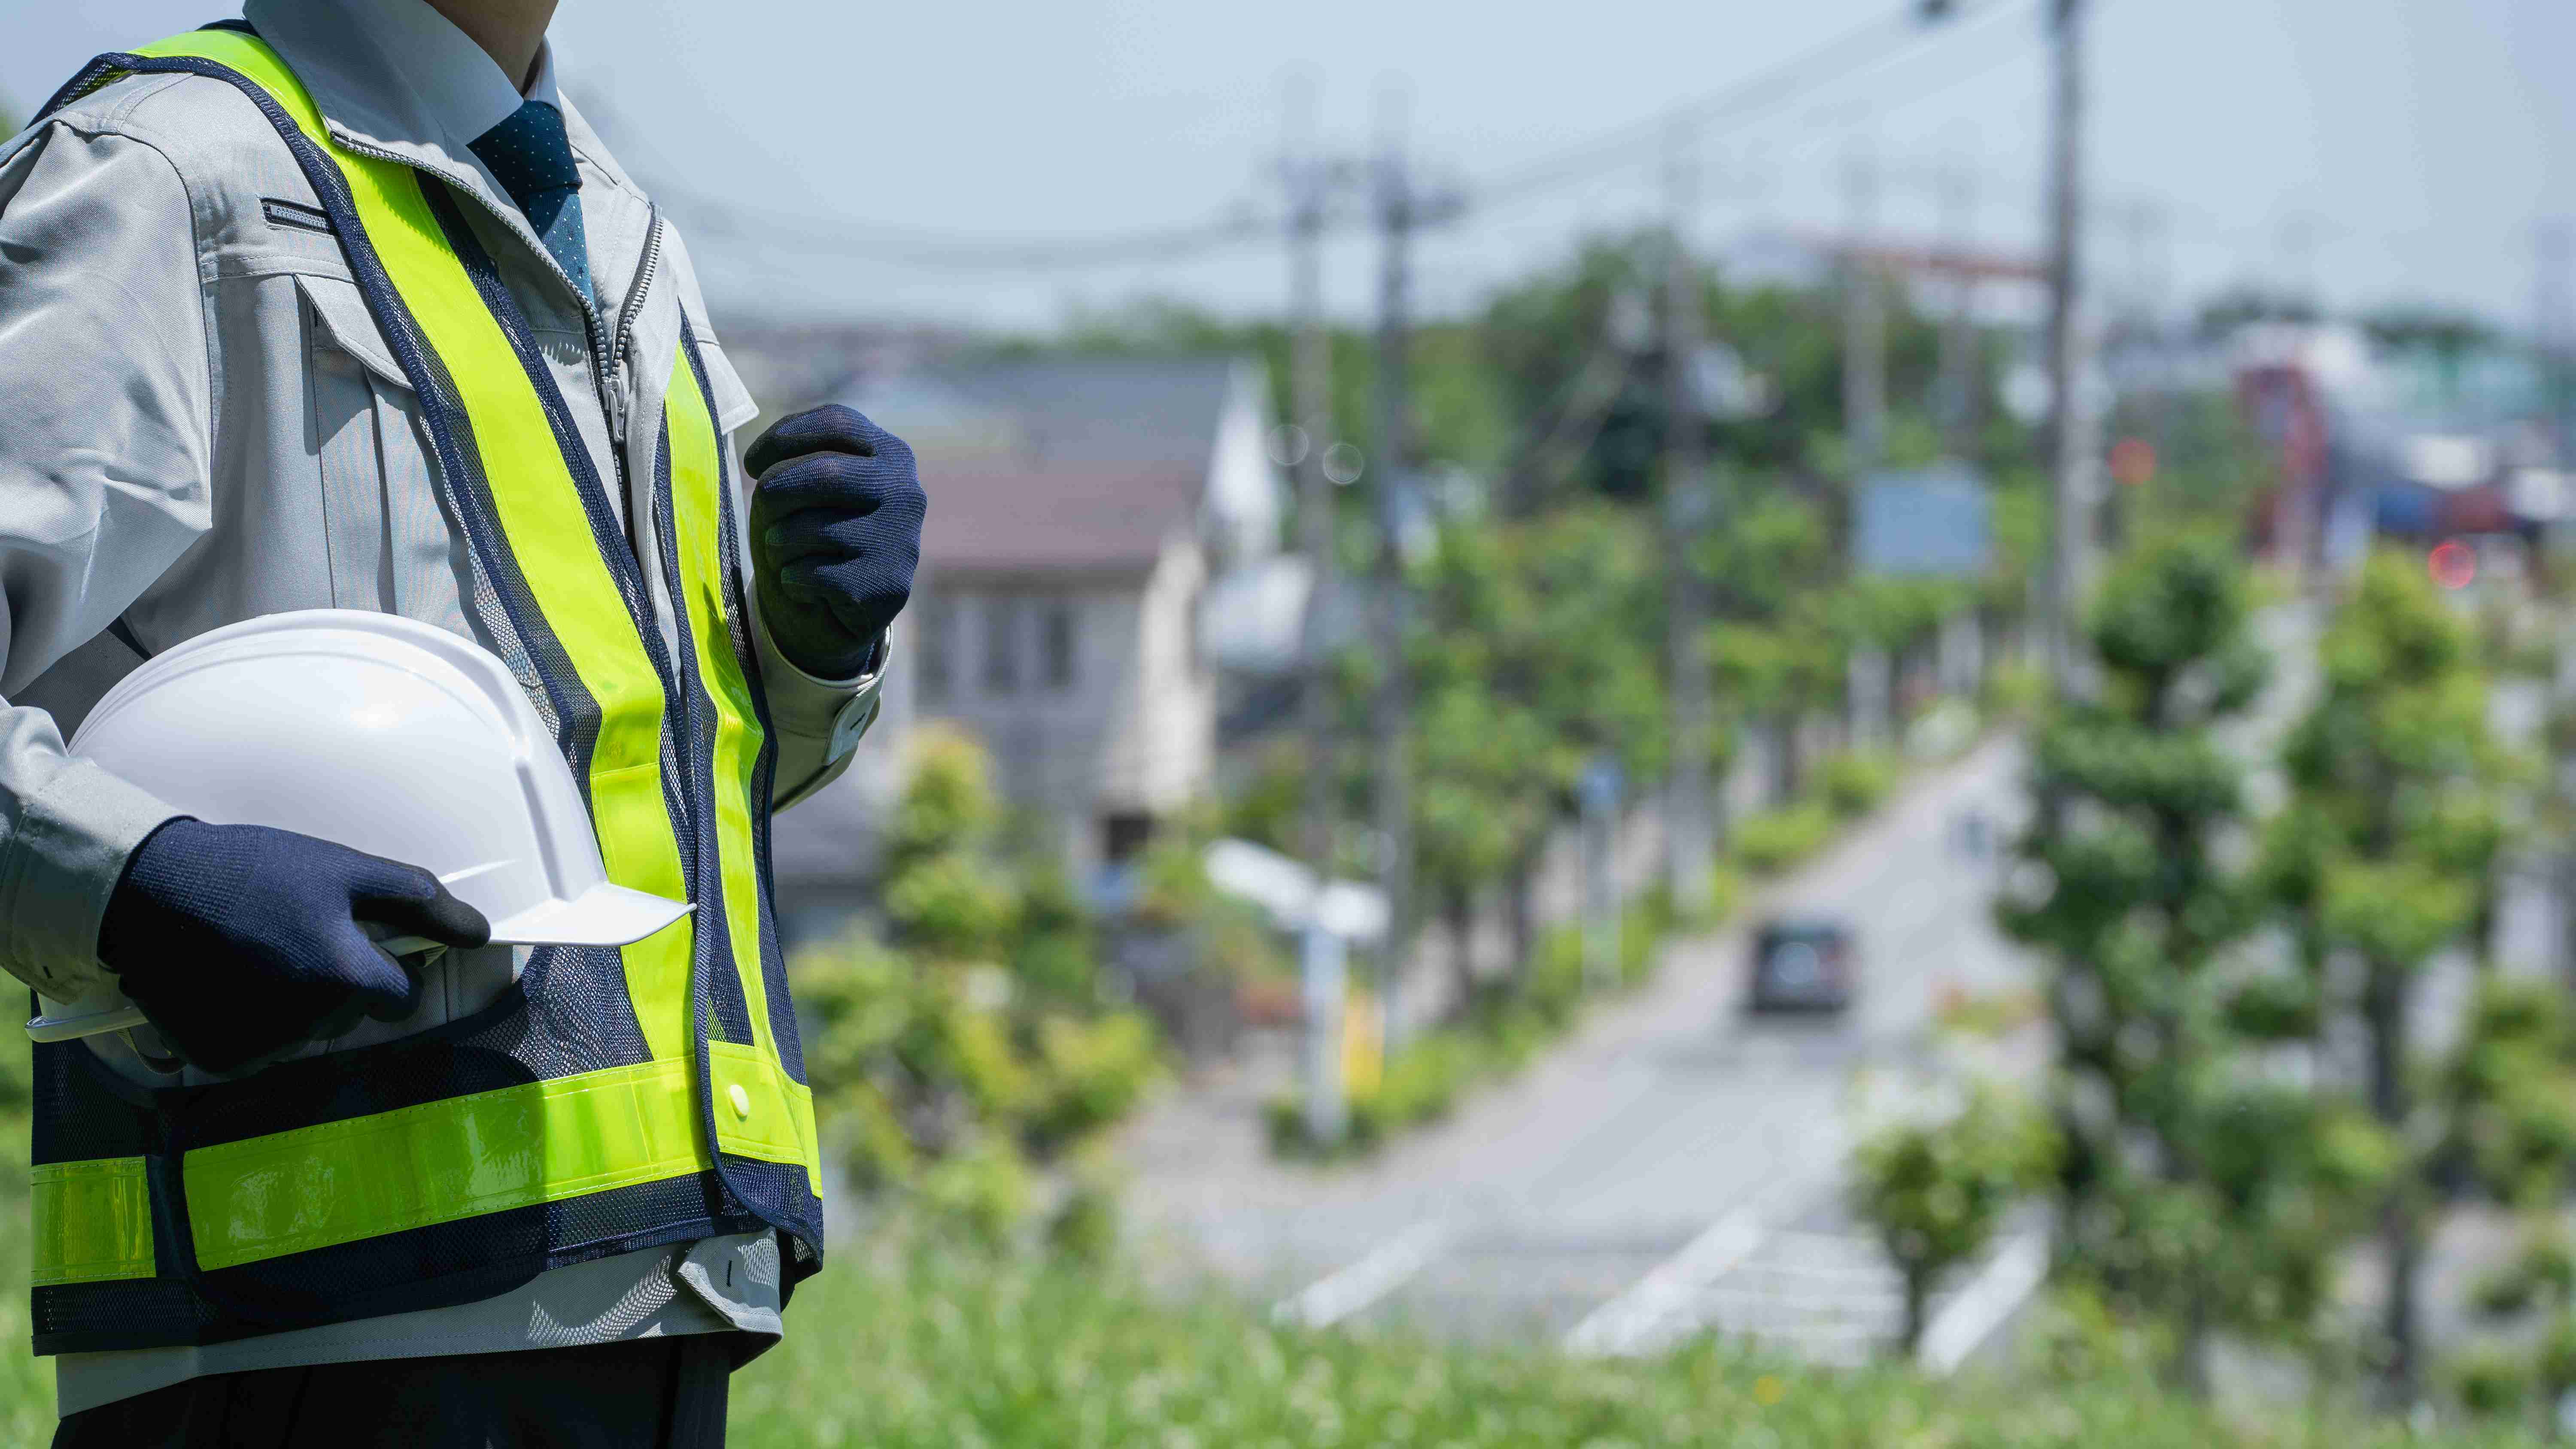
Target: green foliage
2194,1196
1934,1191
2491,1383
909,1341
2019,527
1535,656
946,894
2015,690
1893,613
2508,1097
2508,1090
1855,782
2210,465
1263,808
1229,938
2385,854
971,1050
1771,841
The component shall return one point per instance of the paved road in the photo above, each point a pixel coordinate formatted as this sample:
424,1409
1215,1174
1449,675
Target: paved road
1650,1176
1676,1166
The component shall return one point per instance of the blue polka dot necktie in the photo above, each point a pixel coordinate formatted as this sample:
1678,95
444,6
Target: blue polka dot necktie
532,159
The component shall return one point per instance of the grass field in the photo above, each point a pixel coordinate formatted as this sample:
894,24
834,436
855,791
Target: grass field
913,1344
930,1347
925,1346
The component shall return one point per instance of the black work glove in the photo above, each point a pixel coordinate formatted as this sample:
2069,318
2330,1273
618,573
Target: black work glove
835,535
239,941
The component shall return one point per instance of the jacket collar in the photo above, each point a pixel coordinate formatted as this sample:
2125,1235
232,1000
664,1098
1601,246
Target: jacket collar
394,76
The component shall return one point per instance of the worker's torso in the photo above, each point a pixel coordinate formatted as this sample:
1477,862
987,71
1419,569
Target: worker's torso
415,415
325,494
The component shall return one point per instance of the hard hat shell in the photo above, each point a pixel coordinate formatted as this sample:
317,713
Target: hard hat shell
386,735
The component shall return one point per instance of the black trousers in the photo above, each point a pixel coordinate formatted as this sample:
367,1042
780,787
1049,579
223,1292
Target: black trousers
648,1393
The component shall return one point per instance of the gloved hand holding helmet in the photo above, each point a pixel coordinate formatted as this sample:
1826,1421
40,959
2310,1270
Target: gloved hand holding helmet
239,941
835,536
358,785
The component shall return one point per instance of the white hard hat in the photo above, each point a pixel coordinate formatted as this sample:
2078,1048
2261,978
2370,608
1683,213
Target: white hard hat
383,734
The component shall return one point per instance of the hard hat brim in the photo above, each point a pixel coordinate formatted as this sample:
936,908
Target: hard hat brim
604,915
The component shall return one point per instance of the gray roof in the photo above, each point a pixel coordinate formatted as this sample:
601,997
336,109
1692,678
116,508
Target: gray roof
1076,411
1041,520
1081,464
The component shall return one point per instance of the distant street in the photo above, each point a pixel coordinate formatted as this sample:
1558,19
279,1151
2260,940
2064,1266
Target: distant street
1675,1166
1629,1187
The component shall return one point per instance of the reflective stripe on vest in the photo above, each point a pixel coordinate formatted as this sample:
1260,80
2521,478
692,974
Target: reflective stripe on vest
673,754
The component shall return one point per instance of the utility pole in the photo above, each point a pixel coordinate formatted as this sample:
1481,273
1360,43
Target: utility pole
1958,361
1392,711
1864,320
1310,182
1690,809
2554,256
2070,441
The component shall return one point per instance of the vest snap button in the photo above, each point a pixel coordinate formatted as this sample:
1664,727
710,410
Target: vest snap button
740,1098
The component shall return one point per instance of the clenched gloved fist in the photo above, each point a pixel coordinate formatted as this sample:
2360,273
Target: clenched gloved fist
835,535
239,941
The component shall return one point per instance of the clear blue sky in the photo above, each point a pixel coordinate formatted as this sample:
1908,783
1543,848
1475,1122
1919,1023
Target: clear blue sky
2413,144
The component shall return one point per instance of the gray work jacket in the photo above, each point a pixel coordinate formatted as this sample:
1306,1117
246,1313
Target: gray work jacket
200,423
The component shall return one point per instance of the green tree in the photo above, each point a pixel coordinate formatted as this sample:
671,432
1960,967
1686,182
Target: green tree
2380,858
1935,1191
1775,652
2136,908
1535,653
971,1047
2508,1102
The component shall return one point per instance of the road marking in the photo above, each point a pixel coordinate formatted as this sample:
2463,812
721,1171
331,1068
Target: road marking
1973,1315
1328,1301
1645,1316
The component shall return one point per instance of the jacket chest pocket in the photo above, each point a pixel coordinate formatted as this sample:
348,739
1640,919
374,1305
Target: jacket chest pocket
391,547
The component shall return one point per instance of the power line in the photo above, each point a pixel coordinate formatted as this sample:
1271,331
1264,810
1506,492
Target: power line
957,251
1854,53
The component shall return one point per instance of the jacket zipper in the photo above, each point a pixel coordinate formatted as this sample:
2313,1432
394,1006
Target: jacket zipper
643,278
613,397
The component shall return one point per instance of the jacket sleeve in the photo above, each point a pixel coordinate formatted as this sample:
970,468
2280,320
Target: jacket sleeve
819,721
105,457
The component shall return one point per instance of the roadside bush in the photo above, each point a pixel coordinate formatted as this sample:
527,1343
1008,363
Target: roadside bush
1856,782
2490,1382
1770,841
957,1063
2015,689
1935,1191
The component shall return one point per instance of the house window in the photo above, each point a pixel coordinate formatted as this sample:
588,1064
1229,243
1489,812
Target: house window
1056,644
1001,645
938,625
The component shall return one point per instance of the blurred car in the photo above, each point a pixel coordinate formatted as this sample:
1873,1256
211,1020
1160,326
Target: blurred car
1802,965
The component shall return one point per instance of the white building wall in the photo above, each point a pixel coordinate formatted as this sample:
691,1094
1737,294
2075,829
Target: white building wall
1171,744
1132,731
1246,495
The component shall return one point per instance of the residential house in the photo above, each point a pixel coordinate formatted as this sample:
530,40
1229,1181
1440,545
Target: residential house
1080,509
